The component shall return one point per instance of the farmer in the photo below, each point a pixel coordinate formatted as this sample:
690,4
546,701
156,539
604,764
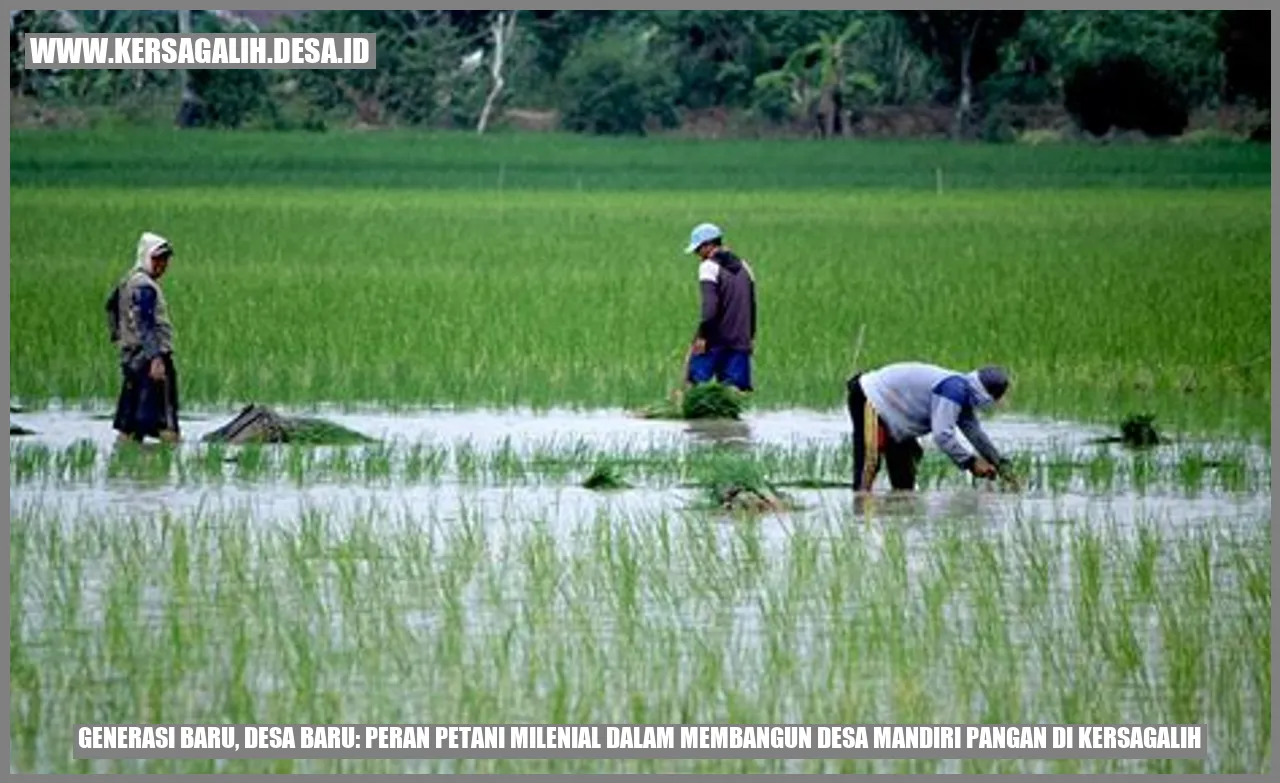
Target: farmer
141,330
723,344
893,406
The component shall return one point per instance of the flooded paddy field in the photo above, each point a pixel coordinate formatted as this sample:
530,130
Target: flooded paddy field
459,571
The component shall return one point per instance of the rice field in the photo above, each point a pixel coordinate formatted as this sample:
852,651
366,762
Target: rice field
1101,300
515,548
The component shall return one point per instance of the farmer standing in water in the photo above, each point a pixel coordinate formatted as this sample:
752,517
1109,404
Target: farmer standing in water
140,328
893,406
725,339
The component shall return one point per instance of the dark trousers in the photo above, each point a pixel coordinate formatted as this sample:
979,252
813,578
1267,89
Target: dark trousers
146,407
872,442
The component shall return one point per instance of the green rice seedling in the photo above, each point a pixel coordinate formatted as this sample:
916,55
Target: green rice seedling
148,463
340,466
252,461
319,432
934,471
424,463
1143,471
1059,473
28,461
466,460
505,463
298,463
712,400
1232,474
1191,470
377,463
213,459
1234,469
1101,474
606,476
737,484
1138,431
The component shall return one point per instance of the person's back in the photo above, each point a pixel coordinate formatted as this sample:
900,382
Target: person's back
903,394
729,291
895,405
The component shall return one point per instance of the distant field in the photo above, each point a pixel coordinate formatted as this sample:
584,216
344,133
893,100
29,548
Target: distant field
462,161
509,270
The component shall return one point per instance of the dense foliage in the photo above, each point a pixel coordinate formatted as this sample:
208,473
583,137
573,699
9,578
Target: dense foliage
623,72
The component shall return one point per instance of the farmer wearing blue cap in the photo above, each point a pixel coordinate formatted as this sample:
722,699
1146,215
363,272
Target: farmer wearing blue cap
893,406
725,339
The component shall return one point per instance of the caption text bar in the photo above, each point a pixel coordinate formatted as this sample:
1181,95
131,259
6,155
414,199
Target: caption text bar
641,742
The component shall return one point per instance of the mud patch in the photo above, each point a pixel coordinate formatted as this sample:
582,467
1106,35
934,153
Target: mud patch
258,424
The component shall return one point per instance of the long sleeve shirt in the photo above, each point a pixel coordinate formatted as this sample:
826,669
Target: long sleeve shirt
728,293
145,331
917,399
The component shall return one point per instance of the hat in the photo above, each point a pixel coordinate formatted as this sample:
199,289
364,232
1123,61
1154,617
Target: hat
702,234
995,380
151,245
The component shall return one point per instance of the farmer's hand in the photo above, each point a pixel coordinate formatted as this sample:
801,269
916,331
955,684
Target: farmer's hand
699,347
982,469
157,369
1007,475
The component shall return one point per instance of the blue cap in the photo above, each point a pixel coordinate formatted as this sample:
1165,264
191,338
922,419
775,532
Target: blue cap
702,234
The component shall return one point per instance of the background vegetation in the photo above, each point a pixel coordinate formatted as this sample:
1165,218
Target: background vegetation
965,74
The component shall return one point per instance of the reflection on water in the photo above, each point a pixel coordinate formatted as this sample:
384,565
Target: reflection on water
490,429
565,506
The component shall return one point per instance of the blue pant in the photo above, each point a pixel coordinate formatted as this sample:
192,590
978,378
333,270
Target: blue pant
732,368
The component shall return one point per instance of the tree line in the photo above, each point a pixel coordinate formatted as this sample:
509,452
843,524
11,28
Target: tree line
629,72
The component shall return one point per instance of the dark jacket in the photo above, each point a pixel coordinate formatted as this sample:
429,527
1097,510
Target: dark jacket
728,302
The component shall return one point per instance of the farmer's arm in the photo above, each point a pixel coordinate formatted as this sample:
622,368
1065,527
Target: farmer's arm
709,284
950,399
144,308
973,431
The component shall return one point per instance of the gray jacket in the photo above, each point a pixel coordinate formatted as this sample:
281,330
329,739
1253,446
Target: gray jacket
917,399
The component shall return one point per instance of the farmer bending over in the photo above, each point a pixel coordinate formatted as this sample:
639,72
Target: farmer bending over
723,344
139,322
893,406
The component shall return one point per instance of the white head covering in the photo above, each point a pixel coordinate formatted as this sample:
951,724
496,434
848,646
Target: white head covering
148,244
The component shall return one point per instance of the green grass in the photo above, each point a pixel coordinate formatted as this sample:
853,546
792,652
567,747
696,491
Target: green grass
167,159
395,618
